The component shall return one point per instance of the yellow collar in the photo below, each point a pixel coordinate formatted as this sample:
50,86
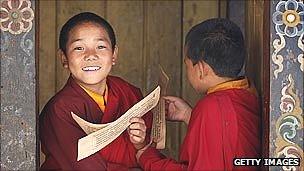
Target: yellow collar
99,99
237,84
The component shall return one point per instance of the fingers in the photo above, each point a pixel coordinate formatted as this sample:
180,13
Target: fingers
171,98
169,103
136,140
170,110
137,119
137,124
167,107
137,133
137,130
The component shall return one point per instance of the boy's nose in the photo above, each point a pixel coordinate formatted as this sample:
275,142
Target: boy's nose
90,56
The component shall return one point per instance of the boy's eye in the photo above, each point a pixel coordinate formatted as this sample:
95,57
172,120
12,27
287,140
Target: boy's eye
78,48
101,47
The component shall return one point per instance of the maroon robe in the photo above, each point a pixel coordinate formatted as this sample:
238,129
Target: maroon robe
223,125
59,133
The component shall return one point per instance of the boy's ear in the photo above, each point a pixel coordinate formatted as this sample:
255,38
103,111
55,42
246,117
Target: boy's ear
115,55
202,68
64,59
205,69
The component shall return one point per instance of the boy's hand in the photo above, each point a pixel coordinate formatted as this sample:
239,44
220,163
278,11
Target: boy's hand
137,132
177,109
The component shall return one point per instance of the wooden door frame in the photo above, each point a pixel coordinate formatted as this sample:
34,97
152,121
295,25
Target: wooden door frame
266,80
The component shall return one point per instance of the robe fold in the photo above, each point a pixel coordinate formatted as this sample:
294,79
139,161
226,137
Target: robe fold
59,133
224,125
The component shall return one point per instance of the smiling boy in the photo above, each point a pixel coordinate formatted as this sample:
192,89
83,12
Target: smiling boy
88,50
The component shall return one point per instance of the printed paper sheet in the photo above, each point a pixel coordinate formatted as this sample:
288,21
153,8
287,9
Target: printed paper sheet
101,135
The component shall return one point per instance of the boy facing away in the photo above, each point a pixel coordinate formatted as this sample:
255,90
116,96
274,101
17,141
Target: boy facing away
225,123
88,50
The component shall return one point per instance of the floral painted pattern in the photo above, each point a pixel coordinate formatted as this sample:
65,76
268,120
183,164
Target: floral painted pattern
286,70
16,16
289,18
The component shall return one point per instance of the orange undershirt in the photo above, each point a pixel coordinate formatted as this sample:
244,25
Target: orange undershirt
238,84
101,100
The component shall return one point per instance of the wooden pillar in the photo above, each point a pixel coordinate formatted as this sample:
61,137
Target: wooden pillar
18,85
275,64
286,81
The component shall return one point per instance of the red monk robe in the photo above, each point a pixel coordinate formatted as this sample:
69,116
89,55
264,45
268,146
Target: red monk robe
59,133
225,124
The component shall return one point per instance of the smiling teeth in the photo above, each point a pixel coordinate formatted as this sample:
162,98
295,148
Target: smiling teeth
91,68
